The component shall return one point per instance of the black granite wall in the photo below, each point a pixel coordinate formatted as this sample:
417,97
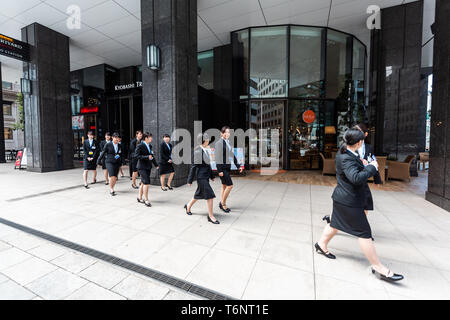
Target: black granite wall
223,68
439,173
396,73
48,129
2,123
170,95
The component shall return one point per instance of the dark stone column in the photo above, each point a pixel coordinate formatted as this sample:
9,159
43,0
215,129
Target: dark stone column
223,68
2,123
48,129
170,95
439,174
396,68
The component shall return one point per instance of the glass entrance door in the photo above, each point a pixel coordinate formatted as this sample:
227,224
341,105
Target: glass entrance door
305,134
267,115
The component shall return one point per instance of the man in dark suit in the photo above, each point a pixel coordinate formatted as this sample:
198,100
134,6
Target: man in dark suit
224,155
133,161
91,152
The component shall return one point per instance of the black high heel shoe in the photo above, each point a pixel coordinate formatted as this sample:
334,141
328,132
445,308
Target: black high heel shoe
134,186
319,250
170,188
86,186
227,210
140,200
213,222
327,219
147,203
187,212
163,189
394,278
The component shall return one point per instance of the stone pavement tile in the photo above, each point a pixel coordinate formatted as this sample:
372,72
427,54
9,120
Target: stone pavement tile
3,278
6,231
104,275
135,288
446,275
240,242
91,291
223,272
48,251
109,239
254,224
29,270
11,257
173,226
177,258
348,267
204,232
37,298
10,290
288,253
4,246
294,215
24,241
291,231
59,222
56,285
74,262
419,283
141,246
273,282
175,295
116,216
84,232
328,288
142,221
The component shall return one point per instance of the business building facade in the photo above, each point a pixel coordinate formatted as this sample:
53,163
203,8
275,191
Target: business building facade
309,82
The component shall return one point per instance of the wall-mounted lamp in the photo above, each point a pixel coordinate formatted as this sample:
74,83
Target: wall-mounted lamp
25,86
153,57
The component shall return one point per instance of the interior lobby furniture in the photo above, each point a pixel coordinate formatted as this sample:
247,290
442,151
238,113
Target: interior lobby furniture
329,165
381,168
424,157
400,170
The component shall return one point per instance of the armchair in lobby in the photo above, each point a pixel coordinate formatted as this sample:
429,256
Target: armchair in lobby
329,165
400,170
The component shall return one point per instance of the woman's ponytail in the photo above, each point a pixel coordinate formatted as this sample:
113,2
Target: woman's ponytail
351,137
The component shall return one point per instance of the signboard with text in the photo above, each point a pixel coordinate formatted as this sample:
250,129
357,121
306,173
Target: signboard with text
14,48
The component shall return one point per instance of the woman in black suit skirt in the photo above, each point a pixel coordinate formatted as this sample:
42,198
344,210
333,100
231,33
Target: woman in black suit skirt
166,163
145,161
349,200
91,153
101,159
114,160
202,169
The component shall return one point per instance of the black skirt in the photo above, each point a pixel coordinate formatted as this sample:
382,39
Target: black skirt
226,179
204,190
145,176
369,200
90,165
350,220
166,168
113,169
133,165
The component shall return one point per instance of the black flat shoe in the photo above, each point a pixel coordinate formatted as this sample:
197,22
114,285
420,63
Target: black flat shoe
213,222
187,212
327,219
163,189
140,200
394,278
170,188
227,210
319,250
148,204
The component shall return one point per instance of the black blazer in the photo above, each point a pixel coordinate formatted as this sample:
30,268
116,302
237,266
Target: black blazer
200,166
142,154
352,189
222,155
165,153
91,152
133,145
111,156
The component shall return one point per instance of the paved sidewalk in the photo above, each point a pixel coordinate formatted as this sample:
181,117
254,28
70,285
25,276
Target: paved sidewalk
34,269
262,250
